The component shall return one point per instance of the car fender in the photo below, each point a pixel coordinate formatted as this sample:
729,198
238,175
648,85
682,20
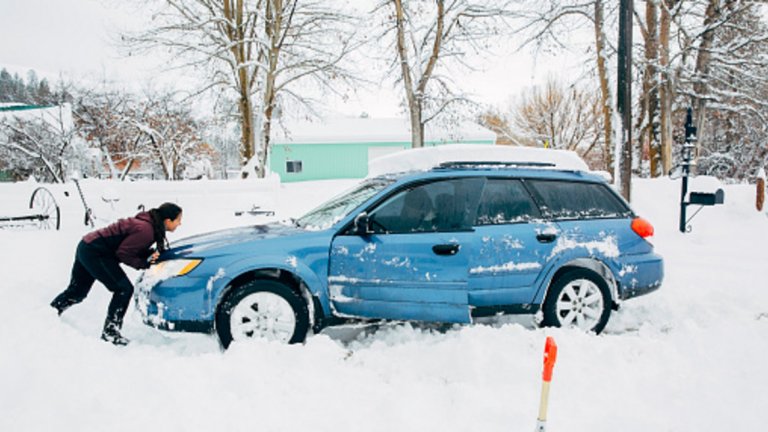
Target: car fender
596,264
287,263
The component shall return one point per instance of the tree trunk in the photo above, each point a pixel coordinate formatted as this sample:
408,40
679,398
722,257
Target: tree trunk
273,22
113,172
127,169
266,127
651,86
605,90
233,12
245,107
666,95
414,101
166,169
701,74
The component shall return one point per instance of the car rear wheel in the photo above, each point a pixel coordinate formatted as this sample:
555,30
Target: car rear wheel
579,299
262,309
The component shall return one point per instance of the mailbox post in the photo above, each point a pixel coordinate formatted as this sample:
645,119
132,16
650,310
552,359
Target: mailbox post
695,198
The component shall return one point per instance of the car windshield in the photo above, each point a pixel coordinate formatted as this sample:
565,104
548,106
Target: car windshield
337,208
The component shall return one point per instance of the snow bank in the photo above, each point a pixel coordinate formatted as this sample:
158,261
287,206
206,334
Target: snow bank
686,358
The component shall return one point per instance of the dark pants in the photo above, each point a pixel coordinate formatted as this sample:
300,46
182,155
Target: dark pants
92,263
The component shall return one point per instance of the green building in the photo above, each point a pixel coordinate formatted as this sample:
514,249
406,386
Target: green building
341,147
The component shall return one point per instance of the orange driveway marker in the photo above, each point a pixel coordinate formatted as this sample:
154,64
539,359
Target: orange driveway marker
550,355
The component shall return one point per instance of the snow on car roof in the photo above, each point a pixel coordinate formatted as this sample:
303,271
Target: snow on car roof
430,157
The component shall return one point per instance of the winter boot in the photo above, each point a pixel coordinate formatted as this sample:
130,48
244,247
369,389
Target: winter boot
111,333
61,303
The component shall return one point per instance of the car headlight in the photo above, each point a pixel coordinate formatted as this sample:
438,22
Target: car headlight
171,268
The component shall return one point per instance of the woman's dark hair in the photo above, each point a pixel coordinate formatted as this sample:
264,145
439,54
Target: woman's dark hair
159,215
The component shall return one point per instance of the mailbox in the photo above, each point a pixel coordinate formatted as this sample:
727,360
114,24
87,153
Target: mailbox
707,199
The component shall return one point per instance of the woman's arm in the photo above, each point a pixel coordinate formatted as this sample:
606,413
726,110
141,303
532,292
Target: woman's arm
135,247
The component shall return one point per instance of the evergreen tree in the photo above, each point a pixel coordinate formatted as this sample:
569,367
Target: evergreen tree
6,86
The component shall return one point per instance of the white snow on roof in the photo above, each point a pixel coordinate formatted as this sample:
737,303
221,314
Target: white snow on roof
429,157
11,104
366,130
55,116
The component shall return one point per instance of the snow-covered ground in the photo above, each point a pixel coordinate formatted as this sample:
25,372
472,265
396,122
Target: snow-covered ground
689,357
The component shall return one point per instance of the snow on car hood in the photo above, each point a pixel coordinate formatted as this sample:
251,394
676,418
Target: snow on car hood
234,236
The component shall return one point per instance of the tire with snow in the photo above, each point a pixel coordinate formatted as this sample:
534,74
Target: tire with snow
579,298
262,309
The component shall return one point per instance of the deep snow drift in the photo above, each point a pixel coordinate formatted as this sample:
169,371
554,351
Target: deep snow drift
689,357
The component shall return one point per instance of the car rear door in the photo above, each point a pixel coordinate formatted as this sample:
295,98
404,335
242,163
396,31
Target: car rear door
514,245
414,264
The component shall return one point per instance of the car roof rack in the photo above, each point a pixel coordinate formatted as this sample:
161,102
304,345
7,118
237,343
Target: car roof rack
495,164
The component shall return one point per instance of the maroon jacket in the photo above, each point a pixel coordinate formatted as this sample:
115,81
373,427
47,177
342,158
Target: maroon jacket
129,240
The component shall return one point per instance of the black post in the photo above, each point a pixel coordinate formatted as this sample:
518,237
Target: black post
690,143
624,96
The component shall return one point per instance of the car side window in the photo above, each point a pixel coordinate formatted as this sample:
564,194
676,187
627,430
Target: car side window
577,200
446,205
505,201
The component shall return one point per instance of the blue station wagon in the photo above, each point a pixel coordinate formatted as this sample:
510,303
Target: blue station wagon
450,244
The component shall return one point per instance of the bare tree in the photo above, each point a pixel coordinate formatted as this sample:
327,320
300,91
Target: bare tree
427,36
221,38
666,86
39,142
649,120
104,117
554,116
171,135
305,41
545,22
257,48
728,85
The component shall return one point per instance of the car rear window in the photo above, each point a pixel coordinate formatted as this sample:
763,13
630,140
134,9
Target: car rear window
564,200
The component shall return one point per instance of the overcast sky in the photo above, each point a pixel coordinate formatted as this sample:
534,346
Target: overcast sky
73,37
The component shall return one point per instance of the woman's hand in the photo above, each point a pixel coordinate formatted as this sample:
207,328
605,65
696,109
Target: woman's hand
153,258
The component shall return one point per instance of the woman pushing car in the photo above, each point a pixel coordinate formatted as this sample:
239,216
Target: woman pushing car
99,254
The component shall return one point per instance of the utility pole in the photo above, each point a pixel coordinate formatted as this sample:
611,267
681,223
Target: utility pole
624,96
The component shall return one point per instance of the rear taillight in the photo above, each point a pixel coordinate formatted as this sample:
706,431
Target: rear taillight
642,227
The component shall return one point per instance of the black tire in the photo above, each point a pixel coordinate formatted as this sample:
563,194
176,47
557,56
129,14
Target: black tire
566,296
251,292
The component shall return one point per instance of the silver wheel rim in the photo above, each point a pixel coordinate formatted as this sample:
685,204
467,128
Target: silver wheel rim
262,315
580,304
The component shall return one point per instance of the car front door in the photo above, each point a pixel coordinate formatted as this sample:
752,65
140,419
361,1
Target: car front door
414,262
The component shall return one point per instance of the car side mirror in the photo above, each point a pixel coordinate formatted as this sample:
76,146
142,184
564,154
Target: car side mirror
362,225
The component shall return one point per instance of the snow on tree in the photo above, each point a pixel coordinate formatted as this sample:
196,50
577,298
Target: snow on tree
169,135
40,142
428,38
259,49
544,25
558,117
724,75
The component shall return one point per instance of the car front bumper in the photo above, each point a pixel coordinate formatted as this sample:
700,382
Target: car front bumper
175,305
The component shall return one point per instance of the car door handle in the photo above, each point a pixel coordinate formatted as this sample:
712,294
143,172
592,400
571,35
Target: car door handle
446,249
546,238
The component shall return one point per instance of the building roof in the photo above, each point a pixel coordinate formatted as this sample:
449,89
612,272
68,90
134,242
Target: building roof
374,130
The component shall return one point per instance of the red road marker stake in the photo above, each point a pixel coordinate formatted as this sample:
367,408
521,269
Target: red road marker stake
550,355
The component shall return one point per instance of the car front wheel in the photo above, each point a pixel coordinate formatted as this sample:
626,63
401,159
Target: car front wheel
262,309
578,298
